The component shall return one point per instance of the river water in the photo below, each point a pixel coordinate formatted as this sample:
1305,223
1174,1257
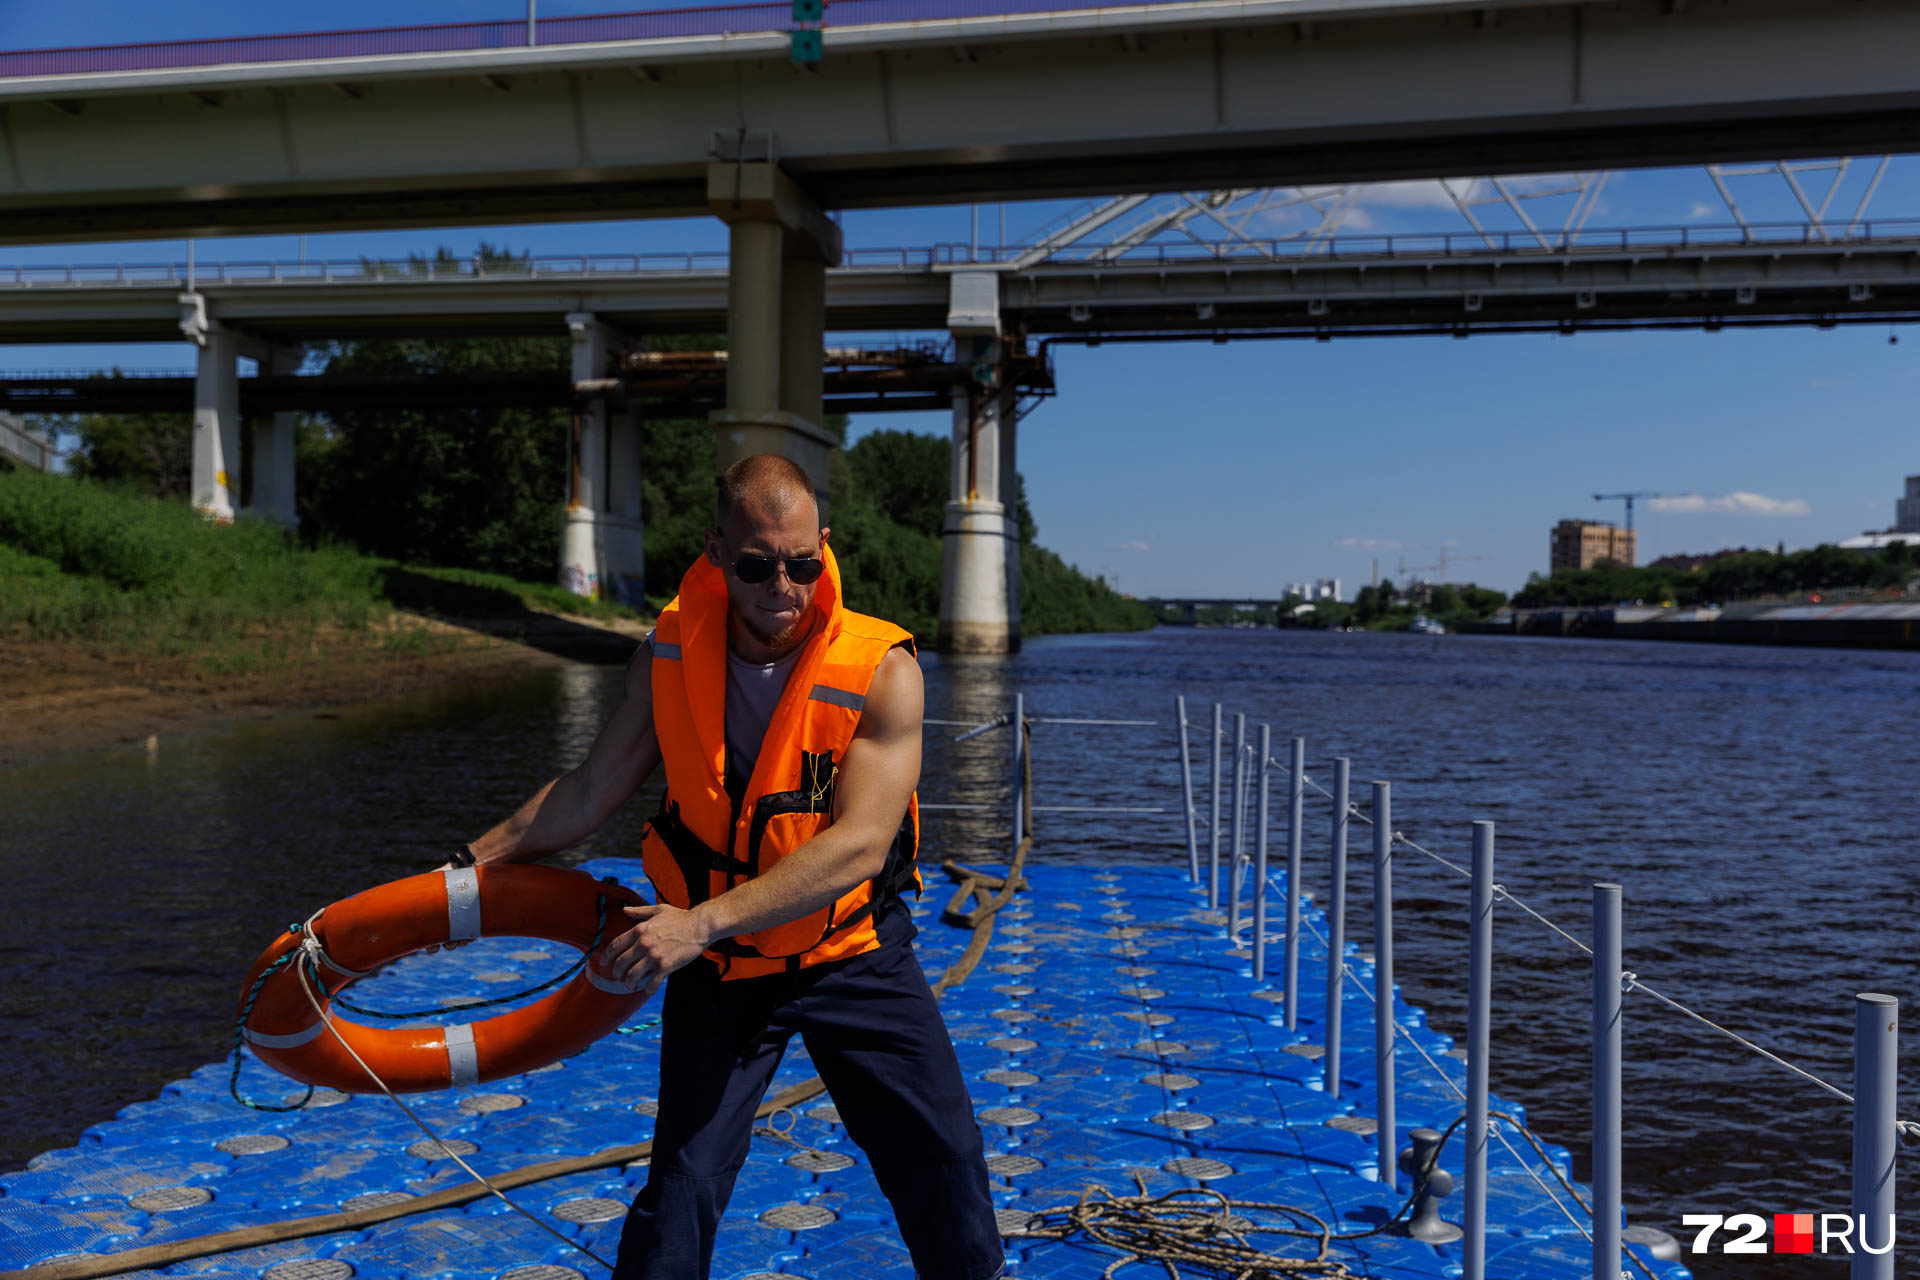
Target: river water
1757,804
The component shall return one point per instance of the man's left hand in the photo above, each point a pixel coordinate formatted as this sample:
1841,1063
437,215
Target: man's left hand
664,939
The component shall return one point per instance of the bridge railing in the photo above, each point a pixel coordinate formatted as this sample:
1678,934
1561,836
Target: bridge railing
458,37
1421,246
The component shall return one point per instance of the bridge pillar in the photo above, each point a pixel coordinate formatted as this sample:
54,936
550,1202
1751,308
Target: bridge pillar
779,247
979,572
273,447
601,546
216,423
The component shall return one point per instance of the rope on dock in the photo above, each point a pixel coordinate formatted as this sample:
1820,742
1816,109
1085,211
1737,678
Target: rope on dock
1195,1227
989,892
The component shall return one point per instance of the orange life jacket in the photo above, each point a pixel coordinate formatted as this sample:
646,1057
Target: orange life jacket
701,844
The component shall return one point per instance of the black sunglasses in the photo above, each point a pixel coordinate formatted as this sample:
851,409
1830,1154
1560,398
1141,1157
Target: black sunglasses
754,570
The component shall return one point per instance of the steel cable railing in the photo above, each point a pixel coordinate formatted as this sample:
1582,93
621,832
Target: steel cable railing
1877,1127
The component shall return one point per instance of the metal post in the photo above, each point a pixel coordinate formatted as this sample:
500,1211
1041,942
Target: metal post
1260,874
1606,1079
1383,978
1876,1050
1213,828
1186,791
1336,930
1239,816
1479,1002
1297,775
531,38
1020,797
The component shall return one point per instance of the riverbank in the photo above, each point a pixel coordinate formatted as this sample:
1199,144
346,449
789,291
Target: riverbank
62,694
1864,625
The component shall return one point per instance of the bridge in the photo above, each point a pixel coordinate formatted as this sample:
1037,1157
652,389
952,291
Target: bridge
1190,606
924,102
701,112
1697,275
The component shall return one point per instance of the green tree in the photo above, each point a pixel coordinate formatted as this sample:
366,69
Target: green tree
903,476
145,453
469,487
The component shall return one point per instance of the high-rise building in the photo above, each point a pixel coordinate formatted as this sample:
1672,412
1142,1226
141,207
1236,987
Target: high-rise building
1906,514
1581,544
1326,589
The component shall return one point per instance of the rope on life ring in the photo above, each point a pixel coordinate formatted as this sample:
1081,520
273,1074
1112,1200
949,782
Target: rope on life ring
356,936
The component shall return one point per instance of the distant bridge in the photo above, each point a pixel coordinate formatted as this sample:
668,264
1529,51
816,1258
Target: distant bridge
1190,606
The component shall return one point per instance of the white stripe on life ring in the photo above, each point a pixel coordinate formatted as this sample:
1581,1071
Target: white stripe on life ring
463,903
463,1060
607,985
288,1041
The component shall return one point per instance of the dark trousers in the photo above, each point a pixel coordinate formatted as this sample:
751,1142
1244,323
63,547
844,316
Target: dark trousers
875,1034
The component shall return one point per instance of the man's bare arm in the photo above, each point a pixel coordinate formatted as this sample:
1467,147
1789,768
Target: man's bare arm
572,806
875,782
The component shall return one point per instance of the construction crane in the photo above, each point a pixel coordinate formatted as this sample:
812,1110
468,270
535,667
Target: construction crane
1628,499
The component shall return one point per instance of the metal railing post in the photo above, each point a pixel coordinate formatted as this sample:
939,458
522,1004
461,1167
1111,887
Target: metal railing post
1186,791
1020,798
1239,803
1606,1079
1213,829
1383,979
1876,1049
1479,1010
1336,930
1260,873
1297,777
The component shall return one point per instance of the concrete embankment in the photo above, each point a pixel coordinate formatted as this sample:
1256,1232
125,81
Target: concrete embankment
1885,625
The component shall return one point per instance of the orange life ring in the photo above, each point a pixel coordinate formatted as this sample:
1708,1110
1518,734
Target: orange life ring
361,933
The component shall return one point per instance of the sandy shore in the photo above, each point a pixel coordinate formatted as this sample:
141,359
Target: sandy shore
57,697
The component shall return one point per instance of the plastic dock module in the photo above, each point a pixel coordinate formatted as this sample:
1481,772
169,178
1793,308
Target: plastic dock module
1113,1035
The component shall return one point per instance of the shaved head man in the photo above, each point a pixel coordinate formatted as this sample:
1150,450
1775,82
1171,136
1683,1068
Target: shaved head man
789,729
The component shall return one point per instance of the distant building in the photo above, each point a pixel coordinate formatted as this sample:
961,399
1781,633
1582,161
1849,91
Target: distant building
1906,523
1319,589
1581,544
23,447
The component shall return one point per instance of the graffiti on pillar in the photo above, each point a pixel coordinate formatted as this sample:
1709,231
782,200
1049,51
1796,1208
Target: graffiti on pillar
581,581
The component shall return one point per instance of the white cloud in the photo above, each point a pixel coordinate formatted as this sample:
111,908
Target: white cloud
1701,209
1367,544
1135,545
1735,503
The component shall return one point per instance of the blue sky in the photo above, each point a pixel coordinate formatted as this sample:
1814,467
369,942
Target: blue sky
1227,469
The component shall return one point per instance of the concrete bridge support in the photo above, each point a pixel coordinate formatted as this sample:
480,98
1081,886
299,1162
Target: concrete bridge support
780,245
216,411
273,446
216,425
602,551
980,563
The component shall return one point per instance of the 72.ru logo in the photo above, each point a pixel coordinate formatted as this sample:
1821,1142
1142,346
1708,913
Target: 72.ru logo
1792,1232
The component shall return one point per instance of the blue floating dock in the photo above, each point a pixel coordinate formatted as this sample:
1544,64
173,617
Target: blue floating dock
1113,1035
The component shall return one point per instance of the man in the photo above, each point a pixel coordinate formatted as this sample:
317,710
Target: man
790,731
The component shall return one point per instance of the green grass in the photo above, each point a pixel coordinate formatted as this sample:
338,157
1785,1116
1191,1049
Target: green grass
79,562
